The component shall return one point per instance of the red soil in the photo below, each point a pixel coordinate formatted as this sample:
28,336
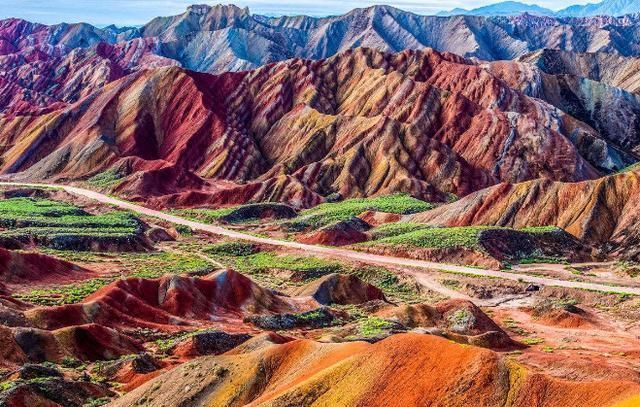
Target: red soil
18,268
335,235
565,319
379,218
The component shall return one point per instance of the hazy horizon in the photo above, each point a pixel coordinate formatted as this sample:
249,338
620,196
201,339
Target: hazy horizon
137,12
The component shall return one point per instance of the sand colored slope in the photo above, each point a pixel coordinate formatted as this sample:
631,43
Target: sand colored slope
406,369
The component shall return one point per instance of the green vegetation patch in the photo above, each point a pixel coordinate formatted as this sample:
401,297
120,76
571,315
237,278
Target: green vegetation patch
67,294
532,341
396,229
304,268
374,326
394,287
418,235
232,249
239,214
107,179
61,225
437,238
203,215
327,213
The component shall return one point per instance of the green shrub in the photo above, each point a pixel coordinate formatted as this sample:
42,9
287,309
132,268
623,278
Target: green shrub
374,326
106,179
70,362
184,230
232,249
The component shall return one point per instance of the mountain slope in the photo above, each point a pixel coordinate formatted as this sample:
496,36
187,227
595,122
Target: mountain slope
603,212
605,8
610,69
613,112
362,123
305,373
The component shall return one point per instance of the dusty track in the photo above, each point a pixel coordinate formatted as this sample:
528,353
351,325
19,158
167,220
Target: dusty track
333,252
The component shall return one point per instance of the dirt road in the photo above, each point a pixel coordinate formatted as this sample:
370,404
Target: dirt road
334,252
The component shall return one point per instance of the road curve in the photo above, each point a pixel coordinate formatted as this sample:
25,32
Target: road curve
329,251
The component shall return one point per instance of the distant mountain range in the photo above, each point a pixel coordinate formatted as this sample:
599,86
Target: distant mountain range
228,38
506,8
511,8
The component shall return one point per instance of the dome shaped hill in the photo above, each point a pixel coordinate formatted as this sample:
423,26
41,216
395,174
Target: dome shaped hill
340,233
208,343
340,289
459,320
170,302
358,373
26,268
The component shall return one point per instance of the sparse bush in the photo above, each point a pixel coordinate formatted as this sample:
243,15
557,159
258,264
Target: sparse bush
374,326
106,179
237,249
184,230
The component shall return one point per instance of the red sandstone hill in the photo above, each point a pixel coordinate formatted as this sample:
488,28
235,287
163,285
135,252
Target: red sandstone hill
427,371
605,211
171,303
360,123
25,268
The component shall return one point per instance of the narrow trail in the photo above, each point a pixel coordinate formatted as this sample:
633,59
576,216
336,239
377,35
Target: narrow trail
333,252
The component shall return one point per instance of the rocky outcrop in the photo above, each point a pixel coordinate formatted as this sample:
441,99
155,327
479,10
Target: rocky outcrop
613,111
458,320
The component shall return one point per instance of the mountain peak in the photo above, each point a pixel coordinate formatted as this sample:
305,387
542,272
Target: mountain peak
505,8
204,9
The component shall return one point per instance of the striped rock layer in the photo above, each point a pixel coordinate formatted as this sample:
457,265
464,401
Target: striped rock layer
361,123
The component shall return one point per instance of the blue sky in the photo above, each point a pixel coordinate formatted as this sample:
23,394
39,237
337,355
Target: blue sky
133,12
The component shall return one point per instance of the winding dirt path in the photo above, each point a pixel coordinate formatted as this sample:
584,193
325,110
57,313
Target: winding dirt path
333,252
